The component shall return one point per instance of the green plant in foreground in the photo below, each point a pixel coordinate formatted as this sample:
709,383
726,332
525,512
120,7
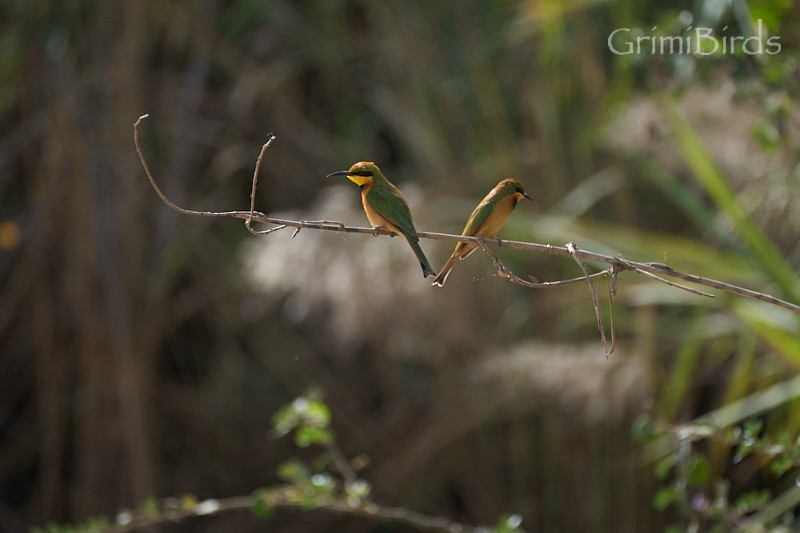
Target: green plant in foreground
329,484
700,496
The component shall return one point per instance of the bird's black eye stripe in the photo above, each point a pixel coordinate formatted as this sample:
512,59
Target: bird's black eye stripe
363,173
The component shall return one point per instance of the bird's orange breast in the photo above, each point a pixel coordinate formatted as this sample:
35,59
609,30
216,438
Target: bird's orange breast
495,222
373,216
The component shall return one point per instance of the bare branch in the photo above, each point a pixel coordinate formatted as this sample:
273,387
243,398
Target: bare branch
657,270
172,510
673,284
344,467
504,272
253,191
155,186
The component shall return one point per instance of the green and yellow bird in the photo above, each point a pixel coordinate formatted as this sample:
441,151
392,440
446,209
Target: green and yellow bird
485,221
385,206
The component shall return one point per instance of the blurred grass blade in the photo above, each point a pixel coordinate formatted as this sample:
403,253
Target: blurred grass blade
687,200
700,162
777,507
680,379
785,341
733,413
754,404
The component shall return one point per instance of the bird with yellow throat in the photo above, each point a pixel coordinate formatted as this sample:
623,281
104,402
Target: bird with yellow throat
486,220
385,206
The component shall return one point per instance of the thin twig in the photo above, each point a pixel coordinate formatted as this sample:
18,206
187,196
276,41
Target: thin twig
611,293
612,285
619,263
573,250
342,464
253,191
535,283
173,511
673,284
504,272
158,190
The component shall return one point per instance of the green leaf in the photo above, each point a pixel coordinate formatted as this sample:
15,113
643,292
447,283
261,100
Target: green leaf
261,507
663,466
321,490
98,524
508,524
285,420
304,411
750,501
780,465
752,428
665,497
357,492
150,507
293,471
307,435
743,450
644,430
317,414
698,471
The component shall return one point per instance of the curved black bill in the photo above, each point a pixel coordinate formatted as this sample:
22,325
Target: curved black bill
339,173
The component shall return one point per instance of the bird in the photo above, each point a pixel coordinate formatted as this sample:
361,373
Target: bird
385,206
486,220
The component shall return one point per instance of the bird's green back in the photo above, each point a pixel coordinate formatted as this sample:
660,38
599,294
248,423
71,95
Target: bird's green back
478,218
387,200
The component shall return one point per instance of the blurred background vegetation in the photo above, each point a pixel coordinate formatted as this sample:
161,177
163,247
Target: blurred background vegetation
143,353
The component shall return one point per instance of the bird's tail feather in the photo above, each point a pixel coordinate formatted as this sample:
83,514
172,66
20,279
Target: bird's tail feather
441,277
427,270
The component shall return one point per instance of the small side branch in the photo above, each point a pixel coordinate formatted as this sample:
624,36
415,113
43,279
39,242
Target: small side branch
657,271
573,250
504,272
249,219
173,510
673,284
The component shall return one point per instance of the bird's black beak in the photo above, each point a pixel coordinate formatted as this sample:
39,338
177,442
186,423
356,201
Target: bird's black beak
340,173
526,196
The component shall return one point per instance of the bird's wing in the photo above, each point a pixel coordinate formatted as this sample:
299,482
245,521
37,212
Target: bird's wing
477,220
474,226
390,204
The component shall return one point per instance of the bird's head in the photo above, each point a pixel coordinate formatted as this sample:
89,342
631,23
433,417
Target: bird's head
362,173
512,186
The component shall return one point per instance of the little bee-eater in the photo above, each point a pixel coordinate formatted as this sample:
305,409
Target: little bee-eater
485,221
385,206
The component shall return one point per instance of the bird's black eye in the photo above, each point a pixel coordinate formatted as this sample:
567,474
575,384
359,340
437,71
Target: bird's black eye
363,173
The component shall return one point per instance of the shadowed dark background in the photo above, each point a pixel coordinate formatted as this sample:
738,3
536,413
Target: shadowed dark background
143,353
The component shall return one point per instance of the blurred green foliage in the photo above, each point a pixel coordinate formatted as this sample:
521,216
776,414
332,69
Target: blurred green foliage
334,484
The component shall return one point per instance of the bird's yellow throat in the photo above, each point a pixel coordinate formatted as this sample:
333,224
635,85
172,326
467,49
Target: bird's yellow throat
359,180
